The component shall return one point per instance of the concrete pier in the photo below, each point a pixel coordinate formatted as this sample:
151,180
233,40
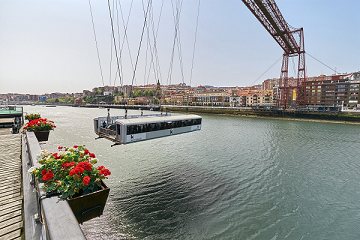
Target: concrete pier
11,197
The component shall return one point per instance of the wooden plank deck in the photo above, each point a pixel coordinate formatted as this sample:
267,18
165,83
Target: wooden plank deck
10,191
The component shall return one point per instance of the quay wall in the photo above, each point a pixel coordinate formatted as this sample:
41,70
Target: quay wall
262,113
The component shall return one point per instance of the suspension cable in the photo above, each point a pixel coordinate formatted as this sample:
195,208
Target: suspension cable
176,20
113,35
266,70
192,61
96,44
178,10
142,34
118,31
125,32
322,63
155,34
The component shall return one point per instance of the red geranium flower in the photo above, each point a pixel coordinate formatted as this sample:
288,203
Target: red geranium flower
47,176
105,172
44,172
87,166
86,180
75,146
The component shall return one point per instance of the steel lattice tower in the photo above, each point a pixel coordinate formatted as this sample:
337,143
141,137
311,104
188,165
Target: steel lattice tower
291,41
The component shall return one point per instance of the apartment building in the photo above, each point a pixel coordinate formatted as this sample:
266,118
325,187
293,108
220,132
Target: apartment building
212,98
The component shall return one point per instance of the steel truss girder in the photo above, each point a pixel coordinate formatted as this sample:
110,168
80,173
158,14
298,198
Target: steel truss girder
269,15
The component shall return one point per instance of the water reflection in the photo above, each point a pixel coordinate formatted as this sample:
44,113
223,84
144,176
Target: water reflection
164,204
237,178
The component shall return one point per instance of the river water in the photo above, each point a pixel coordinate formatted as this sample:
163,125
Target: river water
237,178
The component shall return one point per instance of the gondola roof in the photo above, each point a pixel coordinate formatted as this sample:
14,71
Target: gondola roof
142,120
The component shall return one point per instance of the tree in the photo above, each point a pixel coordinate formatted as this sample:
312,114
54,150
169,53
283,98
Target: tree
151,93
56,100
156,101
146,93
164,102
138,93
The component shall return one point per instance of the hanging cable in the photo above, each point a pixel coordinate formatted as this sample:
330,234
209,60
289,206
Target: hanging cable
322,63
145,70
142,34
294,68
113,35
176,19
155,33
118,32
153,50
192,61
96,44
266,70
125,33
178,10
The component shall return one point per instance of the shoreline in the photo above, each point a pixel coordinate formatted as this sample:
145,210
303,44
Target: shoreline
324,117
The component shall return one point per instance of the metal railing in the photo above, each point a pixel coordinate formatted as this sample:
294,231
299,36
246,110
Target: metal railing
54,214
107,131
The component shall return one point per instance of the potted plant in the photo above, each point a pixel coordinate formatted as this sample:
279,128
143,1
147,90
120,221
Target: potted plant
32,116
41,127
71,173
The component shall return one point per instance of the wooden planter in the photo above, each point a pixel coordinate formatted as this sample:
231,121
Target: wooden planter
89,206
42,136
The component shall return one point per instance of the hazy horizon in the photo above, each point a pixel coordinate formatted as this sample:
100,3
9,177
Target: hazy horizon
49,46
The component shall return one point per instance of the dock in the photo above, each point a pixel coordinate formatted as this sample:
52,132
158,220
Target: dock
11,198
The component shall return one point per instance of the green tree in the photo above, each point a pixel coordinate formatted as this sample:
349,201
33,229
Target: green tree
138,93
56,100
156,101
164,102
151,93
146,93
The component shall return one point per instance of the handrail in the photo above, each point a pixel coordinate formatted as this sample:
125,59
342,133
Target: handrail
107,131
58,218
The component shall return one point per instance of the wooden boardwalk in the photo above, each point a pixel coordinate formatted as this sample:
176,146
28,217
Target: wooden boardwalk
11,197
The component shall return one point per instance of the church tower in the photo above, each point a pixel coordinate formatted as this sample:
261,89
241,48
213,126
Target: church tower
158,91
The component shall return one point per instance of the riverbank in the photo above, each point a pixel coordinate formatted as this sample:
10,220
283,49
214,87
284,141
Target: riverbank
344,117
292,115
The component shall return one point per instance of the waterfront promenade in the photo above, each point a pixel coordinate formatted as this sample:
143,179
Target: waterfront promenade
10,189
21,215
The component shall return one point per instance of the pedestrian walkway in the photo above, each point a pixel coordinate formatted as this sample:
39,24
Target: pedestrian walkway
11,197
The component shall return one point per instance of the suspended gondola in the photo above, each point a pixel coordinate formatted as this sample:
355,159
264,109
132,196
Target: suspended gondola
133,128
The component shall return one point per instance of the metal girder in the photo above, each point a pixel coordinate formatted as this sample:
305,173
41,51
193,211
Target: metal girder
269,15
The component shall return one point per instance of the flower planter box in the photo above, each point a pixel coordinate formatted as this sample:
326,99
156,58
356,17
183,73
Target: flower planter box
89,206
42,136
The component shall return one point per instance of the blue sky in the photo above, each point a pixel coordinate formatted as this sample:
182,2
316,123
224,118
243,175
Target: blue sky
48,46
